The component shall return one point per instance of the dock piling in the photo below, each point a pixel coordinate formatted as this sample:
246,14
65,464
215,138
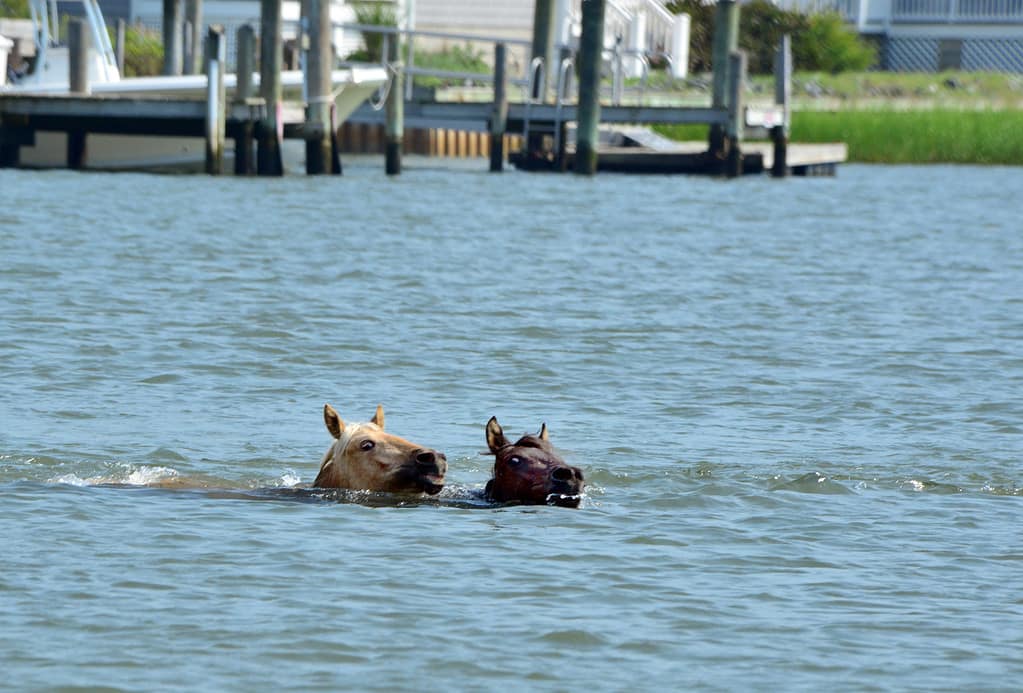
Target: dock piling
193,40
119,45
394,134
215,98
726,40
499,115
591,44
734,132
271,53
319,61
172,32
783,98
244,154
78,65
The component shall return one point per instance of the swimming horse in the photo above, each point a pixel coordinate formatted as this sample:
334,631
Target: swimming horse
364,457
529,471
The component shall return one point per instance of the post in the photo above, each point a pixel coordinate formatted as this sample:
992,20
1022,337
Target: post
726,40
736,80
543,44
395,131
591,45
119,45
270,131
244,161
499,114
193,20
215,98
172,37
318,84
78,57
680,46
783,98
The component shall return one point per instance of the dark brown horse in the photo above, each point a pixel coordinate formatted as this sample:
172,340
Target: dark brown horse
363,457
529,471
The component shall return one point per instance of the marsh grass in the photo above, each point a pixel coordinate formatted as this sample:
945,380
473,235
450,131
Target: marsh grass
899,136
918,136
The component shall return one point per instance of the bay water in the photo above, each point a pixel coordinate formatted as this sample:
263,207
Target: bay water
798,405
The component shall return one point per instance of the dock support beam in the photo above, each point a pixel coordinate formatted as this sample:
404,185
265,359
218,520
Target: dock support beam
726,40
318,65
734,132
591,45
244,153
394,131
215,97
172,26
499,114
78,58
783,98
271,53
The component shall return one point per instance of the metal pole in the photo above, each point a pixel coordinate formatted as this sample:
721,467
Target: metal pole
591,44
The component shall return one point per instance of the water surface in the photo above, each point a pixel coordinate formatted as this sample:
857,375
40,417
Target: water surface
797,403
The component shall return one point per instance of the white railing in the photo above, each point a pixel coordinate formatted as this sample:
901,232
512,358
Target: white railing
916,11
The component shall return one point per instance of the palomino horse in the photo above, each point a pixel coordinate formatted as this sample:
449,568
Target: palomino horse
529,471
363,457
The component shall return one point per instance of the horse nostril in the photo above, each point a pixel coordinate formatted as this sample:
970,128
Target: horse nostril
562,474
426,458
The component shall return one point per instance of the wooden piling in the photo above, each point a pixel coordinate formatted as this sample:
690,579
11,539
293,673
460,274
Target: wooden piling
783,98
215,99
395,111
590,47
270,131
172,58
244,158
544,21
193,41
726,40
318,65
499,114
119,45
734,131
78,65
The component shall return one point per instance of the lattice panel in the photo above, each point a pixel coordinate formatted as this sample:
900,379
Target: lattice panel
1000,55
912,54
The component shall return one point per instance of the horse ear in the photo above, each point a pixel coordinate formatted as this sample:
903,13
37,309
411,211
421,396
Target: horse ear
334,423
378,417
495,436
542,435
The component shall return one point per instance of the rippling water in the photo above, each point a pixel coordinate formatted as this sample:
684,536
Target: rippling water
798,404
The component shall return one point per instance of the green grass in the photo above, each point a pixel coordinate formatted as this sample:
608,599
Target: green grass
921,136
918,136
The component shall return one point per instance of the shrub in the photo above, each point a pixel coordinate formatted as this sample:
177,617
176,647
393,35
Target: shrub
829,45
143,52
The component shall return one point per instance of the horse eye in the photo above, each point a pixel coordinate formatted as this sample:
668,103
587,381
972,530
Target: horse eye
367,445
515,461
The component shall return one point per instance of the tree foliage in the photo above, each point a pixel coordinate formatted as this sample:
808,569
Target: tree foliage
17,9
821,42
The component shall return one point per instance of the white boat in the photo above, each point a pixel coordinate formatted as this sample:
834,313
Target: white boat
351,86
